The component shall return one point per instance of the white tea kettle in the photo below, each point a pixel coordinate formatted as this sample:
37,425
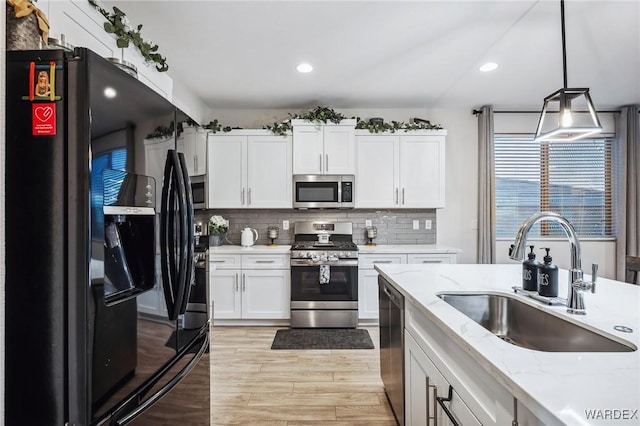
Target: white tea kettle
247,237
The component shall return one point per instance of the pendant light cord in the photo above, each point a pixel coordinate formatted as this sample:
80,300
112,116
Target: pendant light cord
564,44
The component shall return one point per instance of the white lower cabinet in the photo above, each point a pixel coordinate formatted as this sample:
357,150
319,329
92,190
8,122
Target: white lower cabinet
445,385
250,286
368,282
430,399
368,276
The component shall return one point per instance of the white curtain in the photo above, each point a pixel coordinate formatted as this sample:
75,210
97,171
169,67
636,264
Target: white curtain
486,188
628,242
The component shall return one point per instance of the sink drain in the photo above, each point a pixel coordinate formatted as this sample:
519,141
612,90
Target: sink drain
506,339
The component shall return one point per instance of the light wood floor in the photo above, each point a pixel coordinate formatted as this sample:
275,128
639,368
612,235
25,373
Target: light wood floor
254,385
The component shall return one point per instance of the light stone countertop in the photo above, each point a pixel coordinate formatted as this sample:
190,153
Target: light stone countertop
564,384
364,249
255,249
408,248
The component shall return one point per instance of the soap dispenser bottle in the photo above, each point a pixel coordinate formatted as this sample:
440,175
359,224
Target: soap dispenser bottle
530,272
548,277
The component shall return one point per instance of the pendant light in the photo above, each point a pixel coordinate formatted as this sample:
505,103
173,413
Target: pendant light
571,125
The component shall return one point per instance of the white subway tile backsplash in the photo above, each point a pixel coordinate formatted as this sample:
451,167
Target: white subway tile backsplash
394,227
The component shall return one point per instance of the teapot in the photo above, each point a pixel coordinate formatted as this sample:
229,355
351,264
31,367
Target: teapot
247,237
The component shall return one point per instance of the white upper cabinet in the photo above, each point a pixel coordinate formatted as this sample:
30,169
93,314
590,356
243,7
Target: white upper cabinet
400,170
83,26
249,169
422,171
324,148
194,142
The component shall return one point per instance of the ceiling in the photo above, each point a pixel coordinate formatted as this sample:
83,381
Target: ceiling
393,54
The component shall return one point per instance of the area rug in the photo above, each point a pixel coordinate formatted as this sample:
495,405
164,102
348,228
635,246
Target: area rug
322,338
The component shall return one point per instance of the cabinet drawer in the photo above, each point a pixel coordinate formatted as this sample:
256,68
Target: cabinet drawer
456,406
225,261
431,258
368,261
265,261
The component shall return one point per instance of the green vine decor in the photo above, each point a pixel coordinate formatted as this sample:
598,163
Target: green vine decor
164,131
377,126
215,126
118,24
318,114
325,114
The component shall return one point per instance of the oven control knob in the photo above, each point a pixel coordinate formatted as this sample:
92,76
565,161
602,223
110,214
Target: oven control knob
332,257
342,254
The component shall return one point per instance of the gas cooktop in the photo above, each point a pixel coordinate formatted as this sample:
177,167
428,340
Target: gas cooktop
331,245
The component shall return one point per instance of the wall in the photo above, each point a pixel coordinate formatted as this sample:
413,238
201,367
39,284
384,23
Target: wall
455,223
393,226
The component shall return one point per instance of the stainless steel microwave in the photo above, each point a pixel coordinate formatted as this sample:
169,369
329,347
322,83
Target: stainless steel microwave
199,191
323,191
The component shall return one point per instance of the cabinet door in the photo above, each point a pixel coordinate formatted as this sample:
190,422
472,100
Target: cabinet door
368,294
420,406
269,176
308,150
225,293
377,172
82,26
225,171
339,150
265,294
195,150
422,171
424,385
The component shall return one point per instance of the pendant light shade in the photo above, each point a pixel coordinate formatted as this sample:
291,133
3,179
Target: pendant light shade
568,113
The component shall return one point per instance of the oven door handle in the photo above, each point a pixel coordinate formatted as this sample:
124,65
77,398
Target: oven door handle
311,263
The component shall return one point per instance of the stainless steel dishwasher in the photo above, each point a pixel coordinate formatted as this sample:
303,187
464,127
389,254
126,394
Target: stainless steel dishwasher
391,309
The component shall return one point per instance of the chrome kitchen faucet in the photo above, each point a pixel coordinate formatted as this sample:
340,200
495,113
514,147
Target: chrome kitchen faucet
575,297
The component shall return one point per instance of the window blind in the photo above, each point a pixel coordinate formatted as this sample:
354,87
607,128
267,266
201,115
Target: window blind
573,179
116,159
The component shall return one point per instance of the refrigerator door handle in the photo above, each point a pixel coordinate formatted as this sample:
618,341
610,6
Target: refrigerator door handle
188,234
176,229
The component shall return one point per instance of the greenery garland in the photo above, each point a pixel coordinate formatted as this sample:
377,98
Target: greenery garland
318,114
165,132
118,24
215,126
377,126
322,114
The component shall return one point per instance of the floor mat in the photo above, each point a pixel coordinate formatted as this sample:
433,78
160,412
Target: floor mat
322,338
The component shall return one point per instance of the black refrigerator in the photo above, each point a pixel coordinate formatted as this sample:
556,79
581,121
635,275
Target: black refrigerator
84,240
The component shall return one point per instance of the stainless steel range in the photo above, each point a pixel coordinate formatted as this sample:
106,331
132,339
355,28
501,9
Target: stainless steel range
324,275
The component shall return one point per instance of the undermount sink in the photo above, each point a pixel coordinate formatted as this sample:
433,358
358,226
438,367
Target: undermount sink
523,325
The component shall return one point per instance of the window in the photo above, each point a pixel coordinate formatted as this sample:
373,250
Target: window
573,179
116,159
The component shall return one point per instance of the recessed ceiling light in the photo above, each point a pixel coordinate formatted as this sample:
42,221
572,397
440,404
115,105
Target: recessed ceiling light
304,67
489,66
110,92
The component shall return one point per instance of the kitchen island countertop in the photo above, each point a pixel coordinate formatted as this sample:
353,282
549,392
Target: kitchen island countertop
564,385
